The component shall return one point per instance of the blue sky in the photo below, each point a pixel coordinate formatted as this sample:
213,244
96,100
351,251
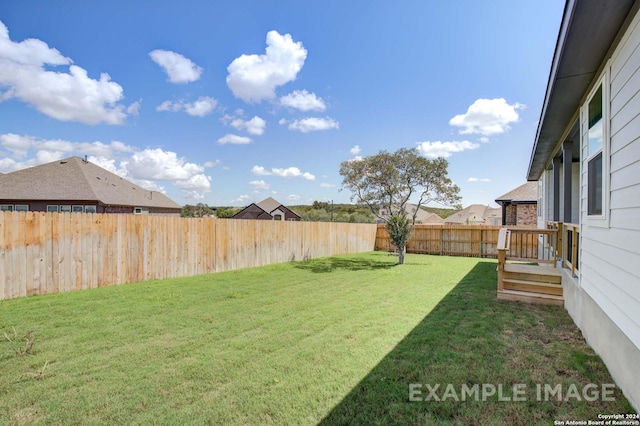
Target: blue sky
228,103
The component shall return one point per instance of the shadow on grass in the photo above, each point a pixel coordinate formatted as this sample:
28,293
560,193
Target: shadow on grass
470,338
330,264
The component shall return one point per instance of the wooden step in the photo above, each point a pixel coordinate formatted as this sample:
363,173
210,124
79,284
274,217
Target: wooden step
523,272
532,286
528,297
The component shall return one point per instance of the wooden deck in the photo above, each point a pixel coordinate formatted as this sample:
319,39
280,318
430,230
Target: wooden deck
535,282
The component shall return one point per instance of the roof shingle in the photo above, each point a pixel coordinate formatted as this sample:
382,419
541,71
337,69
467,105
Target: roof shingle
77,179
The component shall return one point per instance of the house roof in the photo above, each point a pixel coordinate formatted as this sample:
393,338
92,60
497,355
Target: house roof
477,212
76,179
424,216
269,204
527,192
587,32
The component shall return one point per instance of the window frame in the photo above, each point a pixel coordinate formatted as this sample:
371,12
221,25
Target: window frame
50,206
597,219
21,208
63,208
6,207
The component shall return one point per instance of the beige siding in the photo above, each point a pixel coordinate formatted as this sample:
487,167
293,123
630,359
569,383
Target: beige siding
610,261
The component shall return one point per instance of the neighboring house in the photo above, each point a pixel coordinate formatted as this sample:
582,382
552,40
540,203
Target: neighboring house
423,217
520,206
77,185
267,209
475,214
586,160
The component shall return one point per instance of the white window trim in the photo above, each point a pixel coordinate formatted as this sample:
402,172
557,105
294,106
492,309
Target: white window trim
15,207
601,220
137,210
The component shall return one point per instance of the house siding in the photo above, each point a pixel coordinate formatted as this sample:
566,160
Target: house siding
610,263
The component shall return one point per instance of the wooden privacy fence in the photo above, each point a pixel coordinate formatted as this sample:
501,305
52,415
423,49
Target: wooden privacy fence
57,252
451,240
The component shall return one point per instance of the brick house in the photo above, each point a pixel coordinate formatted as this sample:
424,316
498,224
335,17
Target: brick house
520,205
74,185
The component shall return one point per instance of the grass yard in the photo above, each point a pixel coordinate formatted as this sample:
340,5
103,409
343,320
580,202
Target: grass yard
327,341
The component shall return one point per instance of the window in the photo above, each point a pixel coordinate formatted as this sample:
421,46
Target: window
77,209
594,146
52,209
90,209
137,210
6,207
277,217
65,209
22,207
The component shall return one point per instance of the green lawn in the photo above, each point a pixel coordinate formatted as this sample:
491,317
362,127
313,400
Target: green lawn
333,341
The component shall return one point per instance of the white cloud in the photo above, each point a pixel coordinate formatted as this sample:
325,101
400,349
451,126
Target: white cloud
284,173
202,106
178,68
255,126
292,172
260,171
211,163
259,184
169,106
142,167
444,149
157,164
254,78
313,124
303,100
195,182
241,199
326,185
472,179
487,117
134,108
234,140
65,96
355,150
293,197
20,145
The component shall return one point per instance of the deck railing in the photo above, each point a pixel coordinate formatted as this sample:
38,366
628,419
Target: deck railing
531,245
568,245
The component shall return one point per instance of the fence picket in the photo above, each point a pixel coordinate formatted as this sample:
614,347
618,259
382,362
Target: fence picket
44,253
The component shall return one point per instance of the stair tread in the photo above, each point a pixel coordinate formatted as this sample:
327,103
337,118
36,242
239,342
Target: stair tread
528,282
531,269
531,294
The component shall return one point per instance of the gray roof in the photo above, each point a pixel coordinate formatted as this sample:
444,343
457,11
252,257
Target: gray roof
527,192
269,204
587,31
75,179
474,213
